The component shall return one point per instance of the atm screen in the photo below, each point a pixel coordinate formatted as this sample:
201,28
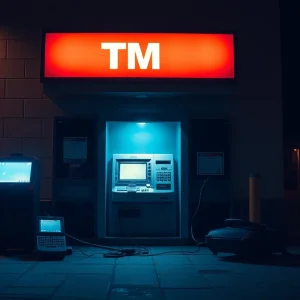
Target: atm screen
50,226
133,171
15,172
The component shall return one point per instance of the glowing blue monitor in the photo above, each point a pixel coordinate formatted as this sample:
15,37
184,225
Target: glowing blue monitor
15,172
50,226
133,171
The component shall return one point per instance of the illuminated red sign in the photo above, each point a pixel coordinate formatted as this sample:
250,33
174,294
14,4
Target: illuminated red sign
135,55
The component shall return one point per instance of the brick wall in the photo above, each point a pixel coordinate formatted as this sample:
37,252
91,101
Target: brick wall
26,115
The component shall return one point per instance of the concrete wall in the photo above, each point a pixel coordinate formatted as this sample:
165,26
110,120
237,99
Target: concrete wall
26,114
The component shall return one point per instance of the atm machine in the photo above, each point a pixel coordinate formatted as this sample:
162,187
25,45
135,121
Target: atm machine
144,200
19,203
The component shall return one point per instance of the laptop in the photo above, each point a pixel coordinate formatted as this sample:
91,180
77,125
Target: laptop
51,235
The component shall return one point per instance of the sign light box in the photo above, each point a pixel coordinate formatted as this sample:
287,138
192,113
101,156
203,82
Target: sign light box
136,55
210,163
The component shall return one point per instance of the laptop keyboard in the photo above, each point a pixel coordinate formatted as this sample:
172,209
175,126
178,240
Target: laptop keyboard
58,241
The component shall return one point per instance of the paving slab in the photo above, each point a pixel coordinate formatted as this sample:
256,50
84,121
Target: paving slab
15,268
171,260
88,286
67,268
29,292
39,280
135,275
176,274
136,293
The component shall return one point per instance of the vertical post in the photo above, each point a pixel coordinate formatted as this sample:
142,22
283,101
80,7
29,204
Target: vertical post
254,198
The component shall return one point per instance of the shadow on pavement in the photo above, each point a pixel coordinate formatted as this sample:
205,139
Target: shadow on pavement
288,260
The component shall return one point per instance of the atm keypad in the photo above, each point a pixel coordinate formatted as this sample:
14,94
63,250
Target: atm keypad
163,176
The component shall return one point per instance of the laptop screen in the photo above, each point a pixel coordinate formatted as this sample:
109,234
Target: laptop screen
15,172
50,226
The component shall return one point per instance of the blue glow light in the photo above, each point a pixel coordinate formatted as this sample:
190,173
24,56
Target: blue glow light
15,172
147,138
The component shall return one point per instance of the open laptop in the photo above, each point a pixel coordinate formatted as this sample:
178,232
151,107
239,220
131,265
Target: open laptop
51,235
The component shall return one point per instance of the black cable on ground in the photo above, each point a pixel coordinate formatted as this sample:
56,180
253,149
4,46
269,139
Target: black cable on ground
142,251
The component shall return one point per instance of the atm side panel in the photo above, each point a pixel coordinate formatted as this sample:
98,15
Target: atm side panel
75,174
